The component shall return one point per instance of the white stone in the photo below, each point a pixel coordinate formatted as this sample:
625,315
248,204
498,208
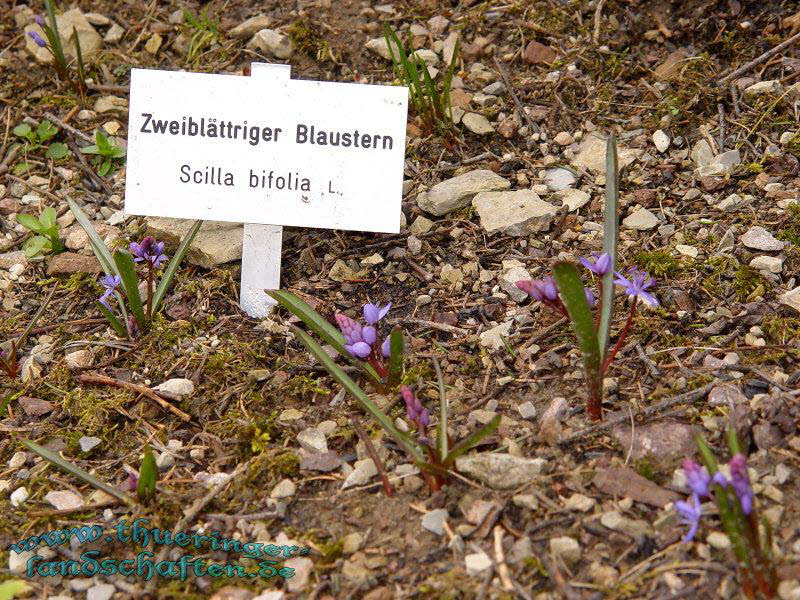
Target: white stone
250,27
791,299
18,563
302,571
492,338
363,471
64,499
508,282
592,154
477,563
272,42
17,460
177,387
573,199
68,22
718,540
690,251
772,264
458,192
702,154
640,220
661,141
567,548
78,359
527,410
88,442
434,520
477,123
429,57
517,213
559,178
764,87
579,502
284,489
313,440
19,496
500,471
759,238
103,591
379,46
563,138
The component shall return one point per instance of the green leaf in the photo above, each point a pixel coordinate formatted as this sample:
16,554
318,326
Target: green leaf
48,217
396,349
320,326
13,588
113,320
103,145
90,150
31,222
75,470
5,402
117,152
130,283
105,168
610,241
356,392
95,241
46,131
706,455
733,441
57,150
148,474
23,130
172,267
35,245
21,168
53,35
573,295
441,431
470,441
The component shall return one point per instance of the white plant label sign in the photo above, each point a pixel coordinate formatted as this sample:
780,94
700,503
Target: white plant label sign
270,151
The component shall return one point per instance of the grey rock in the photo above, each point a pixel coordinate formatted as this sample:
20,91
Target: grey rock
429,57
527,410
379,46
702,154
459,191
250,27
477,563
18,562
177,386
495,89
517,213
661,141
791,299
640,220
635,528
758,238
68,22
772,264
64,499
559,178
508,282
103,591
477,123
567,548
273,43
313,440
592,154
302,572
725,395
727,243
363,471
500,471
764,87
434,520
493,338
663,441
88,442
9,259
216,243
284,489
114,34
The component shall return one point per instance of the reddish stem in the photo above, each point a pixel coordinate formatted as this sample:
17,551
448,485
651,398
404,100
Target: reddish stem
622,337
149,291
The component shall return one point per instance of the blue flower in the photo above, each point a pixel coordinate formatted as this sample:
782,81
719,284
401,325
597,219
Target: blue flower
374,312
37,39
740,482
110,283
355,341
637,285
697,478
149,250
601,265
690,513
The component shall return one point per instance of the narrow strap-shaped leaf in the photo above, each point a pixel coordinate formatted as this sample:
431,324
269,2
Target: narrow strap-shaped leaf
352,388
470,441
396,349
172,267
79,55
448,79
130,283
75,470
406,72
441,431
706,455
113,320
95,241
610,240
733,442
573,295
54,37
148,473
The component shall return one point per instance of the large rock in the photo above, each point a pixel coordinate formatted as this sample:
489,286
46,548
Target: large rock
500,471
273,43
517,213
663,441
640,220
250,27
592,154
69,262
758,238
477,123
458,192
216,243
68,22
791,299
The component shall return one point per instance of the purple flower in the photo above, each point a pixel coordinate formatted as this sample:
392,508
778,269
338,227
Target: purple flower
740,482
719,479
37,39
601,265
39,20
110,283
543,290
149,250
416,413
637,285
590,297
690,513
354,339
386,347
374,312
696,478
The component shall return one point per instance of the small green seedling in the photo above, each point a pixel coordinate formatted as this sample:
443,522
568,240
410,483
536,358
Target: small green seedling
206,33
35,139
107,155
148,473
46,227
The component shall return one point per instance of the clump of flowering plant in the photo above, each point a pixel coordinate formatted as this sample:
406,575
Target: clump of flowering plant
121,282
382,363
53,45
565,293
735,500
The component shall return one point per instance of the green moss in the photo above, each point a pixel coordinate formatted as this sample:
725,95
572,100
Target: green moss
746,281
306,37
791,229
659,263
301,386
781,330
